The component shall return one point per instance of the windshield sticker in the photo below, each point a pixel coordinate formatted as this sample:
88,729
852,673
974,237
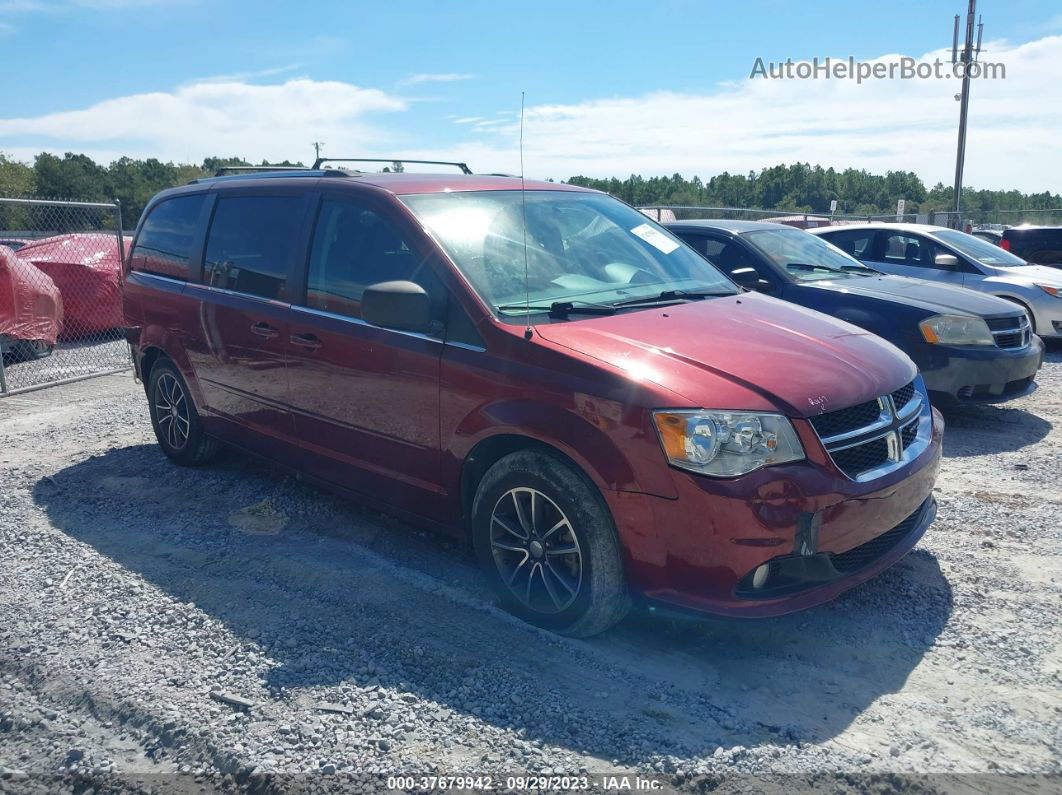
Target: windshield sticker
655,238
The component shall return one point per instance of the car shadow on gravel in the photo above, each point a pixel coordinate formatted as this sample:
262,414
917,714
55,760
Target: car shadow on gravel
987,430
383,604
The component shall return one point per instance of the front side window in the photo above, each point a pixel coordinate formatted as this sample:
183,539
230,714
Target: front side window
251,243
856,243
979,250
914,251
731,257
167,236
354,247
804,256
560,246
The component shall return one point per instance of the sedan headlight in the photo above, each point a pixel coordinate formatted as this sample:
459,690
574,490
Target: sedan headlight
956,330
1047,288
726,443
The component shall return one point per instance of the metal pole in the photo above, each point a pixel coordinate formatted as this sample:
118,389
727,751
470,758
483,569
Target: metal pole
966,60
3,376
121,241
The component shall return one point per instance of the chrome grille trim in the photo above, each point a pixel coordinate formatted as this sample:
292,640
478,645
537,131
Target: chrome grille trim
894,427
1021,328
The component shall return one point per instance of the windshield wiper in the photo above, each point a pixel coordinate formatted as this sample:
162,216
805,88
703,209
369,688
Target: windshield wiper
561,309
803,266
670,296
862,270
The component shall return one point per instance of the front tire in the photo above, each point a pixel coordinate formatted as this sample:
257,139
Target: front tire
176,423
547,543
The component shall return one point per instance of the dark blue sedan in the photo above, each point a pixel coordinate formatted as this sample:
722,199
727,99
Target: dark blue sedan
970,347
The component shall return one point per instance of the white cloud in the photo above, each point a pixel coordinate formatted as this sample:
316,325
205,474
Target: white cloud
443,77
739,126
743,125
254,121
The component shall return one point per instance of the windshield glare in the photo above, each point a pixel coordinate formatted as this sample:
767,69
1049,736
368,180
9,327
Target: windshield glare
584,247
978,249
789,248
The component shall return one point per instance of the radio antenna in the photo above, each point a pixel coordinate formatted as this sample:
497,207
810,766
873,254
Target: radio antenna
529,331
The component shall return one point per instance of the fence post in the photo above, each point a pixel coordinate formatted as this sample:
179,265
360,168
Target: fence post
3,377
121,246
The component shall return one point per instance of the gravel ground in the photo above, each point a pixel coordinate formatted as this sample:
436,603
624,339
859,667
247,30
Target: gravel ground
204,629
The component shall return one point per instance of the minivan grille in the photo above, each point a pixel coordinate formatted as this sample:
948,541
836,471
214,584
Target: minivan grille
1010,332
845,420
902,396
862,458
872,438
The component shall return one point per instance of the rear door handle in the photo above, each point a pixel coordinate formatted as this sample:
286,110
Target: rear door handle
265,330
305,341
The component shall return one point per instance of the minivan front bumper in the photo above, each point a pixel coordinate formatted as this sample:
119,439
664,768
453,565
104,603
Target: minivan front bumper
700,552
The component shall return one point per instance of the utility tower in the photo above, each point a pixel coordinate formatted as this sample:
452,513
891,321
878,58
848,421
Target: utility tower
967,58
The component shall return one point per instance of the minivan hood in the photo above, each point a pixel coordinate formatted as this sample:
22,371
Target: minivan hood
748,351
933,297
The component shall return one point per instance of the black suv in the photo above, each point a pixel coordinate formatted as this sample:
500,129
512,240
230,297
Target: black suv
1039,244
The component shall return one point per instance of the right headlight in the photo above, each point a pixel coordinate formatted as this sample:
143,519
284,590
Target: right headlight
956,330
726,443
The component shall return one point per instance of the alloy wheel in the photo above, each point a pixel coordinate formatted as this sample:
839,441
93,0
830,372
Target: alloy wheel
172,411
536,551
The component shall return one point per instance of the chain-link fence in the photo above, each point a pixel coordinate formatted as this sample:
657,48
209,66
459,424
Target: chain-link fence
797,218
968,219
60,292
996,218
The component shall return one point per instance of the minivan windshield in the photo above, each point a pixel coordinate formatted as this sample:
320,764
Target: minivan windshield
580,248
978,249
804,256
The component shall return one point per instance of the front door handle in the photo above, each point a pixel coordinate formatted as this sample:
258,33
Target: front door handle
305,341
263,329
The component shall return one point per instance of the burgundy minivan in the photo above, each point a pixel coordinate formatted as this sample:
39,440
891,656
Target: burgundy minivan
547,371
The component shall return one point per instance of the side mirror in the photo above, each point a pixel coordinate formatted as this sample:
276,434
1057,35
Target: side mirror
396,305
947,261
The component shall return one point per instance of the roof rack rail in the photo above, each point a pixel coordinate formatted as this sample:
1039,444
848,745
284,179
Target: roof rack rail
317,163
230,169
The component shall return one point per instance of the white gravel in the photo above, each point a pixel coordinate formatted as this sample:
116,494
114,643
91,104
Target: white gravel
142,604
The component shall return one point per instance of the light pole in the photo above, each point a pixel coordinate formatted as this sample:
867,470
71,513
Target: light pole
968,57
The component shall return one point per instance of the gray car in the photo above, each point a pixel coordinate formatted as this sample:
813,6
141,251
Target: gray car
952,257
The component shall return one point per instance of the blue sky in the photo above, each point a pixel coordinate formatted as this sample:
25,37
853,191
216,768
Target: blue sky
439,78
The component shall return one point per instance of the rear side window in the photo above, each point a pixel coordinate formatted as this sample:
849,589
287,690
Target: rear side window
167,237
251,243
353,247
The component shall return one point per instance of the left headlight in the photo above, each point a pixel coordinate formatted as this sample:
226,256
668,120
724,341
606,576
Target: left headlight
726,443
956,330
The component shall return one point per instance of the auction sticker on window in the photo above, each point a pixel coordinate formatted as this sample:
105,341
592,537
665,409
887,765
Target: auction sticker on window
655,238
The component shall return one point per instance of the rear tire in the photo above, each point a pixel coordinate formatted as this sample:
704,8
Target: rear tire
176,423
547,543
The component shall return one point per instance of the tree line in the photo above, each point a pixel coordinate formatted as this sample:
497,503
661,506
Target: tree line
800,187
805,188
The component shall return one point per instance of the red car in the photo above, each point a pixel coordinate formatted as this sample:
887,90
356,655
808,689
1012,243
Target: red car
86,267
607,416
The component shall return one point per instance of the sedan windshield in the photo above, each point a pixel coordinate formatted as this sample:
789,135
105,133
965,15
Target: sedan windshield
805,257
547,247
978,249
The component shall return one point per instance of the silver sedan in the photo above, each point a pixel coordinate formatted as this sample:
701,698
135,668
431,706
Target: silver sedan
952,257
